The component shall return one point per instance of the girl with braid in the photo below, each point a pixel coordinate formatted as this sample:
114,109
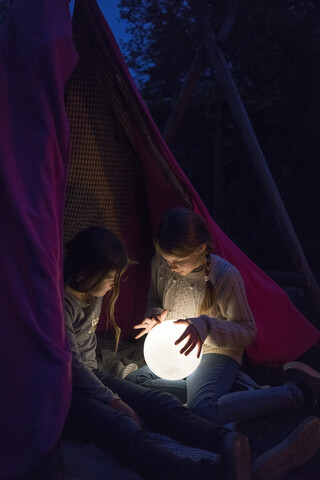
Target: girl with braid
206,293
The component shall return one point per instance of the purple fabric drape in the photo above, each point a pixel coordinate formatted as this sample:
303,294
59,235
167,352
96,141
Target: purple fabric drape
36,58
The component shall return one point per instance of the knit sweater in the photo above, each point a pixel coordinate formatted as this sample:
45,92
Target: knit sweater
81,321
229,328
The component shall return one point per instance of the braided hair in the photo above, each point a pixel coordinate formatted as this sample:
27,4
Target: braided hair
180,233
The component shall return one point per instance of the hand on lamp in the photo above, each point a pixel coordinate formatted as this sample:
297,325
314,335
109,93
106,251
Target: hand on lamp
194,339
149,323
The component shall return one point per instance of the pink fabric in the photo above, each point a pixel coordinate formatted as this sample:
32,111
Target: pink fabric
283,332
36,58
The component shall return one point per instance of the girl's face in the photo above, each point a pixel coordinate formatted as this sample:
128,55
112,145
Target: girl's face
104,286
184,265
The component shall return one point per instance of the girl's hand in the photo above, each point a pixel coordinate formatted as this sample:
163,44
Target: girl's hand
149,323
194,339
127,410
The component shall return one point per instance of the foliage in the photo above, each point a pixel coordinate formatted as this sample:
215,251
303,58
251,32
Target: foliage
273,53
162,38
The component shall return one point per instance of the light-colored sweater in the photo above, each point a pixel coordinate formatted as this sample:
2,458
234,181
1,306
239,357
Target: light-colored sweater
229,328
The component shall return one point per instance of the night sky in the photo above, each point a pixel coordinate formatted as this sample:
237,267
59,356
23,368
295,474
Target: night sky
110,10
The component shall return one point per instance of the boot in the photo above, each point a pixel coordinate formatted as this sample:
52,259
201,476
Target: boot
236,457
308,380
294,450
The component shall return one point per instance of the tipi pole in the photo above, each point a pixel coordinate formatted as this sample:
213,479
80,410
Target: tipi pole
186,91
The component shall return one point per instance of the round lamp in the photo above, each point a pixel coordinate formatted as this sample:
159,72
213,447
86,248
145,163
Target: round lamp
163,357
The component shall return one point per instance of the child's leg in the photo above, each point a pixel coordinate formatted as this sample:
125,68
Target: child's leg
122,437
146,378
209,394
165,414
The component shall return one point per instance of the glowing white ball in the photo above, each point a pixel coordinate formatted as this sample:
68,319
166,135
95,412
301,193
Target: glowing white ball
163,357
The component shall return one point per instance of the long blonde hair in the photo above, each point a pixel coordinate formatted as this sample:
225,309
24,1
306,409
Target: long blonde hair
90,256
180,233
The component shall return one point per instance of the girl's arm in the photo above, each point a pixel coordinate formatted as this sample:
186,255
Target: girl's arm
235,327
82,376
89,383
119,405
148,323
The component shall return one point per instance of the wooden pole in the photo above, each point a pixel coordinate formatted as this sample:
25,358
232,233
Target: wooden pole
192,78
186,91
258,160
218,180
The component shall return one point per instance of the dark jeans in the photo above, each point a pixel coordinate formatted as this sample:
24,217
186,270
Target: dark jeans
131,444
